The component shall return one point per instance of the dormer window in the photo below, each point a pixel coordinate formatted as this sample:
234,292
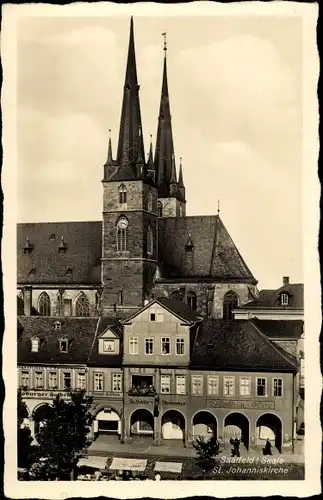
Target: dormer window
57,325
35,344
122,194
28,248
62,246
69,271
63,345
32,271
284,299
108,345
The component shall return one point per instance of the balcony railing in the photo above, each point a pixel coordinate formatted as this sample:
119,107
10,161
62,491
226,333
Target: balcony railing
148,390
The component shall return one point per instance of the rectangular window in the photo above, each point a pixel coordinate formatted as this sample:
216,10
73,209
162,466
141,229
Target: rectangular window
108,346
180,384
160,316
180,346
197,385
34,345
228,386
277,387
152,316
116,382
212,385
165,384
284,299
149,345
67,379
165,345
39,380
133,345
67,307
52,380
98,381
245,386
25,379
63,345
81,380
261,387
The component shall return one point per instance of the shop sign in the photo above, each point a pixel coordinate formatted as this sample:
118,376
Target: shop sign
139,401
240,405
180,403
43,394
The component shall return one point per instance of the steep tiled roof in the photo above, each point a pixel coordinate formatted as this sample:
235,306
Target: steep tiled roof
272,300
179,308
214,255
233,345
98,359
79,331
280,329
82,255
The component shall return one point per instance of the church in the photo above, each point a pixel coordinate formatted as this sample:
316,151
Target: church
145,246
138,308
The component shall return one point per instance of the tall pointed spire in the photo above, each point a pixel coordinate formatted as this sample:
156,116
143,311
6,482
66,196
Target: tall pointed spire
164,144
150,161
110,159
181,186
130,145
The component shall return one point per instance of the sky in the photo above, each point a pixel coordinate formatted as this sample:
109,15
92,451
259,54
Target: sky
235,87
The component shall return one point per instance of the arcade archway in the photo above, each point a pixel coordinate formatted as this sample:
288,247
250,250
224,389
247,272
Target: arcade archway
236,425
204,424
173,425
142,423
269,426
40,416
107,422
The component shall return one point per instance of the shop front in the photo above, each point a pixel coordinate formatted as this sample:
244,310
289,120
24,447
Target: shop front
107,418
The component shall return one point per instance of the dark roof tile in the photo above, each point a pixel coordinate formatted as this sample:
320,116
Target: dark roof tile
280,329
271,298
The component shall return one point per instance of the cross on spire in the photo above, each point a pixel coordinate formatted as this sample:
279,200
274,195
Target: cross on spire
165,41
218,207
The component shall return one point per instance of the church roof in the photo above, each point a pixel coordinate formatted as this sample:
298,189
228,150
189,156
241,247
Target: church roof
280,329
237,344
215,254
271,298
79,262
79,331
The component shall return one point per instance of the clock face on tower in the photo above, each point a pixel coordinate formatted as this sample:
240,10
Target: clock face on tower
123,223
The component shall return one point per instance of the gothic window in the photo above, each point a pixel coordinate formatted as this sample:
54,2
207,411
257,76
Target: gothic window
122,194
122,232
150,241
192,300
44,305
150,201
230,302
82,306
159,209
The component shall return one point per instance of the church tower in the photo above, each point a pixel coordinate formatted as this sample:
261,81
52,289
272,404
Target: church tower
129,233
171,192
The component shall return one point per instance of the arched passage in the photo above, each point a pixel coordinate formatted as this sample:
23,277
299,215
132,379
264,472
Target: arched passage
204,424
41,414
107,422
173,425
142,423
269,426
236,425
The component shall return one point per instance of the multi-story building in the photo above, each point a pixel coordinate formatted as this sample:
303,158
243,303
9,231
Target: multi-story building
138,308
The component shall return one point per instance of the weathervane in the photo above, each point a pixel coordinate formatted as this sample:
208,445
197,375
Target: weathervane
218,207
165,41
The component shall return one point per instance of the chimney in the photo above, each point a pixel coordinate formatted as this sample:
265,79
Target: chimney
285,280
27,300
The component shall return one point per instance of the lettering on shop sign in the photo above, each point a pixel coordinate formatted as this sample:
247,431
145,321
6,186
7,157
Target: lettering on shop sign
46,395
173,403
140,401
238,404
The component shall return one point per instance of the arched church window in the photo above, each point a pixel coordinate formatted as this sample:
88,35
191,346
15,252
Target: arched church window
159,209
150,201
44,305
150,241
230,302
122,233
122,194
82,306
192,300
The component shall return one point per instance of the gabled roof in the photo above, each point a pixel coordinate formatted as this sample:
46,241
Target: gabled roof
79,331
280,329
215,255
236,345
174,306
95,358
272,300
82,255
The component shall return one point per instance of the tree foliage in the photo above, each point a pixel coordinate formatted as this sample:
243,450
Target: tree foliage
206,449
24,438
65,436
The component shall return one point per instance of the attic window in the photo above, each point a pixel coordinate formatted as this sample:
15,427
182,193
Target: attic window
32,271
152,316
52,236
35,344
69,271
62,246
63,345
57,325
28,248
284,299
